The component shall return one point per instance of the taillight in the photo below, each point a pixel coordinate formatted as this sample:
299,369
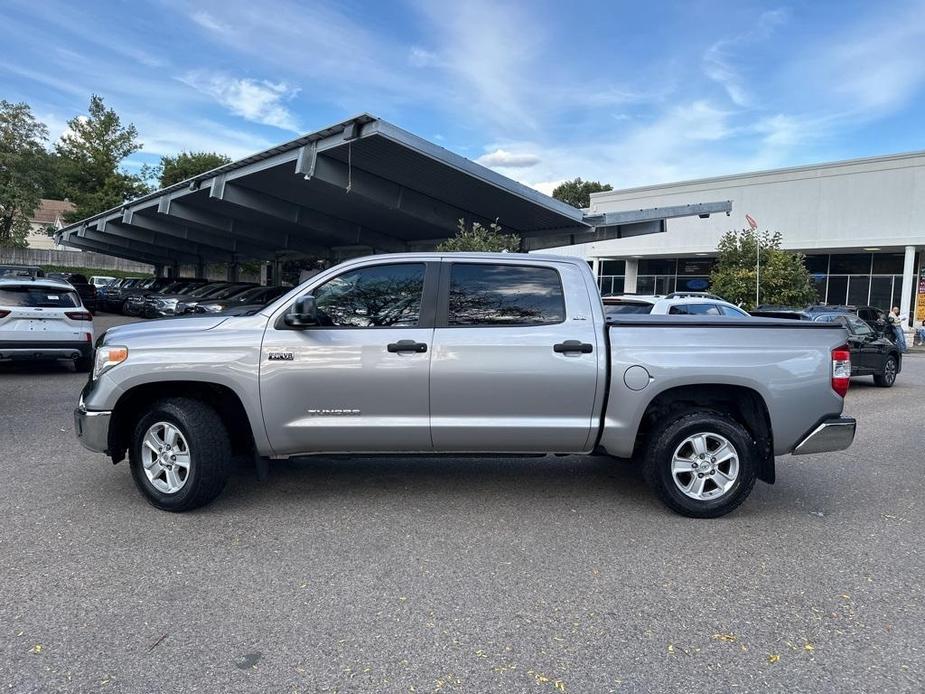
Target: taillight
78,315
841,369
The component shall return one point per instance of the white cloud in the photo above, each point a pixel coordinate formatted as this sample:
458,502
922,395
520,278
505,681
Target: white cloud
547,187
208,21
718,58
256,101
502,159
420,57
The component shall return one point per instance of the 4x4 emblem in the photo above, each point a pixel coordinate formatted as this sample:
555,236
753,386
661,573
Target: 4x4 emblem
280,356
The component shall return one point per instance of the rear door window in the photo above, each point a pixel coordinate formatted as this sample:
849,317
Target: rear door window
498,295
38,297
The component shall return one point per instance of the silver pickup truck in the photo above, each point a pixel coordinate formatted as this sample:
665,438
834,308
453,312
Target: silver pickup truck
451,354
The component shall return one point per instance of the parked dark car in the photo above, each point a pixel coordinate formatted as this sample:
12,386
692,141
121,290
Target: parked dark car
253,298
134,300
86,290
189,304
162,305
871,354
875,317
111,298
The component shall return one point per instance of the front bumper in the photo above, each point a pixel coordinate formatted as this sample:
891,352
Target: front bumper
834,434
92,428
34,351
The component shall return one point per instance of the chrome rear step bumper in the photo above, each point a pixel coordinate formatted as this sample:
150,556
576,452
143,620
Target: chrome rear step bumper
834,434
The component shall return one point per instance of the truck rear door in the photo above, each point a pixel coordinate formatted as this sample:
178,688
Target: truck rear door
515,358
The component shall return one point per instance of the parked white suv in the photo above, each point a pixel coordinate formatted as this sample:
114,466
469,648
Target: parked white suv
44,319
678,303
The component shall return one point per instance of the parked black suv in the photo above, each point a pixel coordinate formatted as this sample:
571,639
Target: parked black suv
86,290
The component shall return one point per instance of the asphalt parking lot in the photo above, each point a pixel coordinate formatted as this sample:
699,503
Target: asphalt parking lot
501,575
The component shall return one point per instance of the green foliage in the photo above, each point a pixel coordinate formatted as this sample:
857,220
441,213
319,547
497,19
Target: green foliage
784,279
577,193
188,164
22,149
89,156
475,237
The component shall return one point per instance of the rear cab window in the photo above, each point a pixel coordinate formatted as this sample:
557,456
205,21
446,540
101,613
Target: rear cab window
31,296
497,295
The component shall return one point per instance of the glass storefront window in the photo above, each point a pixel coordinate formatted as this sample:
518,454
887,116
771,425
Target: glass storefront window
695,266
838,290
693,284
819,282
658,266
850,264
858,289
817,264
881,292
888,263
613,267
612,284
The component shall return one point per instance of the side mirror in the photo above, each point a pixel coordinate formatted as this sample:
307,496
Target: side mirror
302,313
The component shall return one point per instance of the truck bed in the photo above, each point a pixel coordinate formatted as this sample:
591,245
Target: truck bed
787,363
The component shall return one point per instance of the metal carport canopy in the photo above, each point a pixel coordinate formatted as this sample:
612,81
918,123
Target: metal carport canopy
361,186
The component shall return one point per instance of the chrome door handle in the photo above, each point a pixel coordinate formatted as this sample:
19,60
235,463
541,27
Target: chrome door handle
407,346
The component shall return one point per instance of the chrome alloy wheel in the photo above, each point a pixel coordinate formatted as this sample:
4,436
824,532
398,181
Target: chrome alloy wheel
165,457
889,373
705,466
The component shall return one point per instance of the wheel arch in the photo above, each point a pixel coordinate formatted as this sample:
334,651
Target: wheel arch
133,404
743,404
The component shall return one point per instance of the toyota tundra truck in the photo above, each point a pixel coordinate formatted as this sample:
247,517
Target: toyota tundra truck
460,354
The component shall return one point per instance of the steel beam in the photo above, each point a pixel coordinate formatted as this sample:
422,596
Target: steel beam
388,194
124,243
255,248
702,209
108,249
343,231
183,213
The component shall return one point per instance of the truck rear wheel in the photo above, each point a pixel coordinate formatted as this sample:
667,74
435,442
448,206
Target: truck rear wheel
888,377
180,454
701,464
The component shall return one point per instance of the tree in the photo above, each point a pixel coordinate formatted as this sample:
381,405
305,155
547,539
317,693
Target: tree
577,193
188,164
475,237
90,152
22,147
784,279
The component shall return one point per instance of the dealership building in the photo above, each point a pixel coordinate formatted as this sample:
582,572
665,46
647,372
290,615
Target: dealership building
861,224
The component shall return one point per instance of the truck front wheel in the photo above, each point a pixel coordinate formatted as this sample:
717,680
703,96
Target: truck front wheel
701,464
180,454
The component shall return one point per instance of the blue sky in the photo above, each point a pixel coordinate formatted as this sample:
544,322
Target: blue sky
626,92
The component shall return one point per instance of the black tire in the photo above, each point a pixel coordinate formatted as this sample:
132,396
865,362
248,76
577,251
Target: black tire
888,377
83,365
209,453
669,435
124,309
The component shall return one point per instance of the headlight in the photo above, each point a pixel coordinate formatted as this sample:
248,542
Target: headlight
210,308
107,357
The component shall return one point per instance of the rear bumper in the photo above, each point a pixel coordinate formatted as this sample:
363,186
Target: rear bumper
835,434
32,351
92,428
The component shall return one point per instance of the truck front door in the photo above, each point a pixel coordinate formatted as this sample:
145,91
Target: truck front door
358,380
515,363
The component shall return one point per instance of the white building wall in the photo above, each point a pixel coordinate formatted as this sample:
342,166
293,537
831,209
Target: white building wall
877,202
